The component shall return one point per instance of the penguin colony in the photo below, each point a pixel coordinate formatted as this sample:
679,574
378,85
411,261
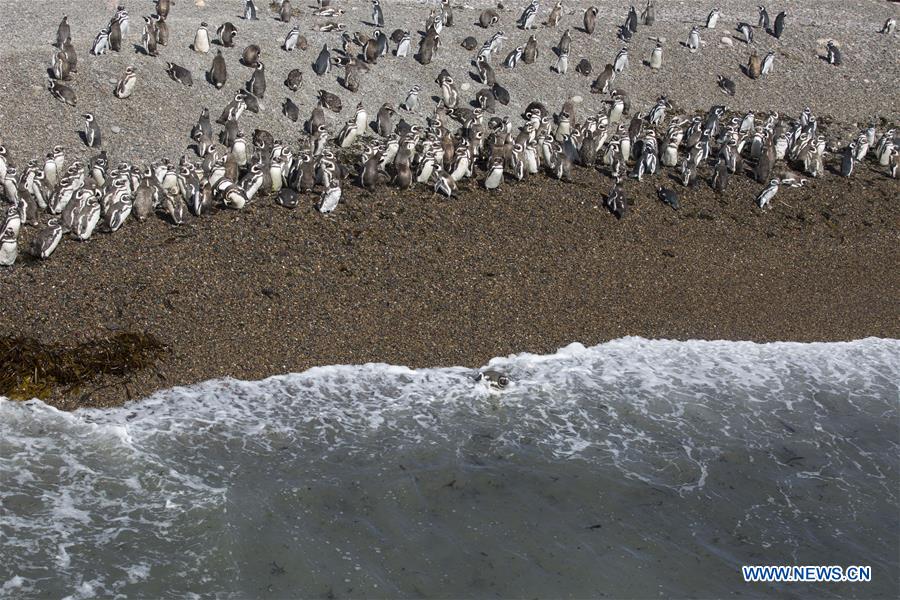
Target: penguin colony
459,142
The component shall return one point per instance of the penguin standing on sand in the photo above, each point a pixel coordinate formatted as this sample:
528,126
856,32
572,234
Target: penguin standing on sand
656,56
62,92
754,65
226,33
9,237
250,11
63,32
323,62
201,39
763,18
377,14
286,11
833,54
767,63
712,19
291,39
694,39
218,74
590,20
779,25
91,131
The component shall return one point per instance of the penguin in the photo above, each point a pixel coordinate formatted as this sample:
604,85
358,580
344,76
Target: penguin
584,67
403,46
631,21
218,74
377,14
712,19
115,36
383,120
764,198
603,81
486,100
9,237
46,241
767,63
250,56
162,8
330,101
291,39
754,65
149,38
495,380
621,61
694,39
316,120
833,54
294,80
63,32
101,43
501,94
179,74
91,131
201,39
590,20
656,56
330,197
649,14
291,110
323,62
778,29
488,18
616,201
848,160
257,83
763,18
485,72
286,11
411,103
426,49
553,17
59,68
121,17
495,173
889,25
530,52
62,92
562,63
565,42
526,21
226,33
721,176
469,43
667,196
726,85
512,59
162,31
746,31
250,11
443,183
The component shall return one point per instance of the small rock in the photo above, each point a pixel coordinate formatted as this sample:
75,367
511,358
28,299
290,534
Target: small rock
726,41
466,86
115,129
113,81
577,99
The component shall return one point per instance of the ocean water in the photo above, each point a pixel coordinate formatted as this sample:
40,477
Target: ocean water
635,468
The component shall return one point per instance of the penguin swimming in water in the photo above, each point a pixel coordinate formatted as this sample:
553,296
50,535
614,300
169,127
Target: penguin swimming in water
494,379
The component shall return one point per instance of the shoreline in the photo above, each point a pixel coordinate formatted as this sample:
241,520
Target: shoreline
400,278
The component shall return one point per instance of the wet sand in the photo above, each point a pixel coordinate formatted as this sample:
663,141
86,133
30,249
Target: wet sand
405,278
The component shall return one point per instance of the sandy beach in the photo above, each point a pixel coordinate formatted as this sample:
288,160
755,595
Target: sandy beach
410,278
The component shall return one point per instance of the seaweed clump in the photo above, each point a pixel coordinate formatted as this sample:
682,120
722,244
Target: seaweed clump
30,369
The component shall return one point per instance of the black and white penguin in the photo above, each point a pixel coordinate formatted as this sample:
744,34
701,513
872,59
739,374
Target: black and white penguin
291,39
250,11
778,29
323,62
726,85
526,20
693,42
668,196
763,18
294,80
257,83
764,198
712,19
63,32
201,39
179,74
91,131
46,241
62,92
833,54
377,14
226,33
